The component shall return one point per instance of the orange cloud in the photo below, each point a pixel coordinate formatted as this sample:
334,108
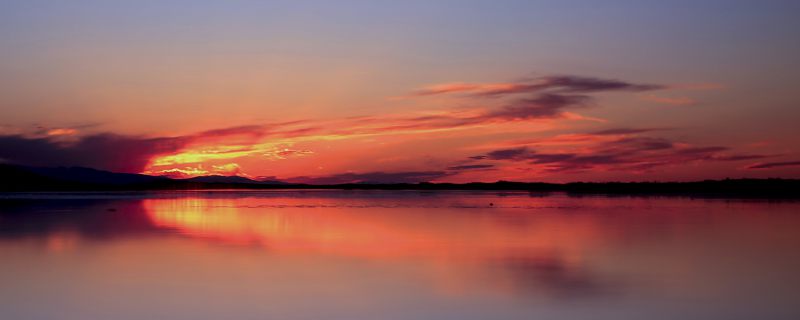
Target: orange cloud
228,169
61,132
552,84
614,149
461,87
519,107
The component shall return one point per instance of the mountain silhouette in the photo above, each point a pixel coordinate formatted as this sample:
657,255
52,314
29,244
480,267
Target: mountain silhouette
92,176
15,178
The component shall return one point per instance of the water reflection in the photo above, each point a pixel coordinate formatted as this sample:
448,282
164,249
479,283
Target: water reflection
638,254
526,253
97,219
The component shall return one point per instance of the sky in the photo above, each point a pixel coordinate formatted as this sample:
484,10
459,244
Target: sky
404,91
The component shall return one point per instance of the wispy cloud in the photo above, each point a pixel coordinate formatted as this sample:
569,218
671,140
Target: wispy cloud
556,84
530,99
619,149
471,167
770,165
540,101
625,131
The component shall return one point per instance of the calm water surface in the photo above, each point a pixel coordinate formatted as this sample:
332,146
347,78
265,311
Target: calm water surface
395,255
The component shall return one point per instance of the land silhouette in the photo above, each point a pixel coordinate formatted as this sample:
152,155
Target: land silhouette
16,178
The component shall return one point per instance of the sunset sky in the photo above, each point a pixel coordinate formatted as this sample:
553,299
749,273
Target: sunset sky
404,91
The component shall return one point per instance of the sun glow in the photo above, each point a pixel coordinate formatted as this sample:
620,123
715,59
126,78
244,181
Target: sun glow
203,154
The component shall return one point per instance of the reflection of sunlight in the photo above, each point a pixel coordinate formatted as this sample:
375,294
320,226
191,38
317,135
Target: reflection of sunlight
61,241
530,249
376,232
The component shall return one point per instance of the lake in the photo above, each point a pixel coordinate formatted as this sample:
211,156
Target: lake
324,254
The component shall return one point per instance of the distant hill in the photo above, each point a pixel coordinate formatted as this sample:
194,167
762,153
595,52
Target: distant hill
25,178
17,178
22,178
92,176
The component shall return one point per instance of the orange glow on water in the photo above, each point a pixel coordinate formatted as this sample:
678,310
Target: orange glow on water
521,243
339,246
360,229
